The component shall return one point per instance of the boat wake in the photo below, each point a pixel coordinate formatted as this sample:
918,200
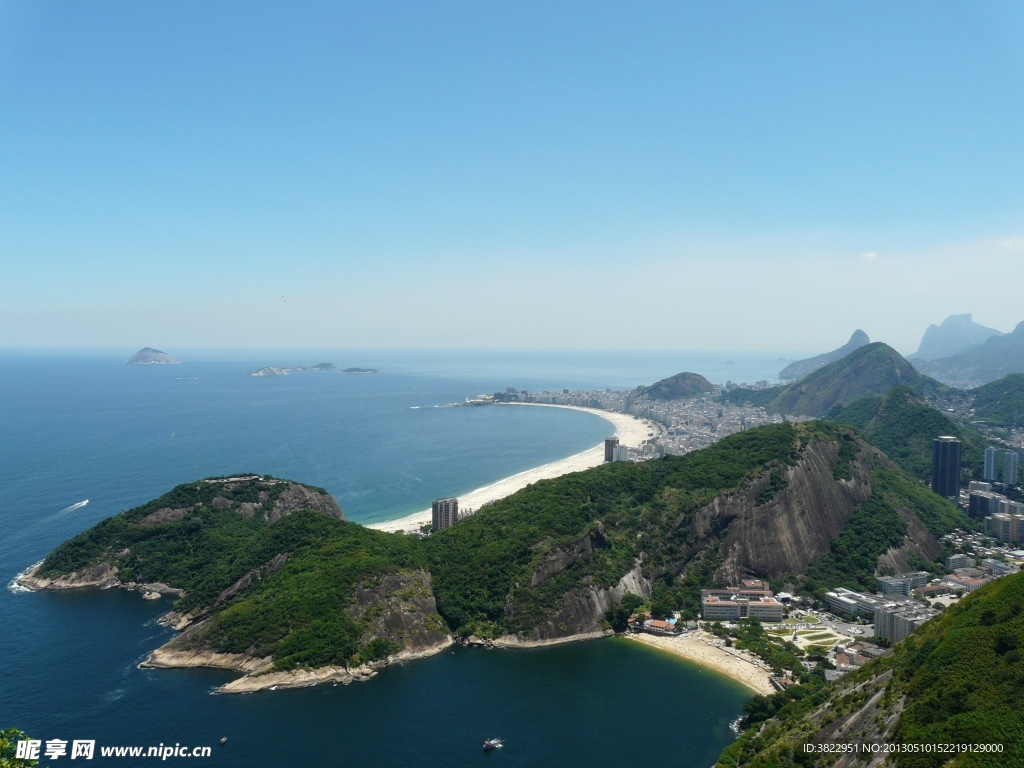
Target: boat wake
72,508
14,586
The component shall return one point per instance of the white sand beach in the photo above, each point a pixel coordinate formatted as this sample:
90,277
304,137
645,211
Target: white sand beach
704,649
630,430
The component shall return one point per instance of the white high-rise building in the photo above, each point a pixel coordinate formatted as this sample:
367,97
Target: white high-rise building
1010,468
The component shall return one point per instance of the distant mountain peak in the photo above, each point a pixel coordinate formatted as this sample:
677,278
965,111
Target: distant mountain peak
956,334
150,356
801,368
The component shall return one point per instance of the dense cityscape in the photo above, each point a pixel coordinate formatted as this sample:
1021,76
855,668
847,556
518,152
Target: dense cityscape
679,426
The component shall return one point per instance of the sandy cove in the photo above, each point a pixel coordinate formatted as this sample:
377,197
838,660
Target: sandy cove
697,648
630,430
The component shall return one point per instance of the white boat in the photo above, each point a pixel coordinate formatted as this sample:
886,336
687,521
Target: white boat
490,744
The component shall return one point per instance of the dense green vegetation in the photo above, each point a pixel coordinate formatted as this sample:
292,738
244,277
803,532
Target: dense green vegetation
959,679
484,566
296,613
202,553
869,371
902,426
1001,402
9,748
299,615
677,387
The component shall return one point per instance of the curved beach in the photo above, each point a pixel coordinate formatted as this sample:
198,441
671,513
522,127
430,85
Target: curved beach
707,651
630,430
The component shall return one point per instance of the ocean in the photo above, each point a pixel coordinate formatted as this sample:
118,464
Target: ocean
87,428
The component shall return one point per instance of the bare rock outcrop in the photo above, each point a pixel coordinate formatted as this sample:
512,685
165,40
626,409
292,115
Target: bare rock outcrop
99,575
794,528
918,541
165,515
298,497
584,608
403,610
557,560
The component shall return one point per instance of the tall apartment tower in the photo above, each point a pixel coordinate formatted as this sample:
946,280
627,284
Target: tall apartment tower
610,444
445,513
946,467
991,464
1010,468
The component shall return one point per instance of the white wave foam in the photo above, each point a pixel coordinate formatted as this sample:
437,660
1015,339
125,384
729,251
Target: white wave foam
14,586
735,726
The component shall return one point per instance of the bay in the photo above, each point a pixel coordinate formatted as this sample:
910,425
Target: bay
87,427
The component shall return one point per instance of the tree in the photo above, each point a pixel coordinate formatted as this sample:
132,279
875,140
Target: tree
8,749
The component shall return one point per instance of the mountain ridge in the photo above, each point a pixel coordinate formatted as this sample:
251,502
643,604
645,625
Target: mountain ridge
868,371
981,364
800,368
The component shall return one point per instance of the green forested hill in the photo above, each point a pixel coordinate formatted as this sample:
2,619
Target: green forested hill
903,426
485,568
869,371
958,680
677,387
1001,402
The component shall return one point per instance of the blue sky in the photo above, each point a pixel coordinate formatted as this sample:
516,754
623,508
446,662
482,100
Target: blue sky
715,176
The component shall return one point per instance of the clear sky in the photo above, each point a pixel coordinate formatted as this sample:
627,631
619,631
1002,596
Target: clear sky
484,174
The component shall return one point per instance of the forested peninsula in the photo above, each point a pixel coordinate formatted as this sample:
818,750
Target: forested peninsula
274,582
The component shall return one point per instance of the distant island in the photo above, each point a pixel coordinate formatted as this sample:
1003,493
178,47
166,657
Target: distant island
360,370
272,371
150,356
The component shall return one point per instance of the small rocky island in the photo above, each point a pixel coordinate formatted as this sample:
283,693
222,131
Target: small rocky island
274,371
271,370
150,356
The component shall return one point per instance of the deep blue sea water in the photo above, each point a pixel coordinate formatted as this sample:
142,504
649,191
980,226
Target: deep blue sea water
89,427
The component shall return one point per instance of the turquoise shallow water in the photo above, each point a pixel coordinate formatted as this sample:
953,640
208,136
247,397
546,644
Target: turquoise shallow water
93,428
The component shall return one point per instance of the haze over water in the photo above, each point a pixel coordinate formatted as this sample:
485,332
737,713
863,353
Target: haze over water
93,428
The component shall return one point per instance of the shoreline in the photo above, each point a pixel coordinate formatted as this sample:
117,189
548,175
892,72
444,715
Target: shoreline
630,430
694,648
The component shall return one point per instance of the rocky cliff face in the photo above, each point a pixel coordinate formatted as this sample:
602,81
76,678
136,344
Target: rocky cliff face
584,608
401,608
298,497
796,527
918,541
